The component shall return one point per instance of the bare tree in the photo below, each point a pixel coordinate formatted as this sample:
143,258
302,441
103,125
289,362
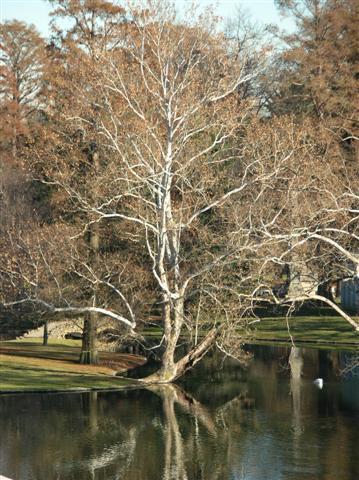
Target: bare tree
170,123
193,193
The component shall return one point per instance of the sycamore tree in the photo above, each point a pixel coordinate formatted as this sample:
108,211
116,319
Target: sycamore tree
157,147
172,180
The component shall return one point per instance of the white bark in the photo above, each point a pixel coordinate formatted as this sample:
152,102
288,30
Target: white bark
74,311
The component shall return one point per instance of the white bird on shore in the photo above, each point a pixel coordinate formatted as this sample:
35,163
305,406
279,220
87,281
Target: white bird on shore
318,382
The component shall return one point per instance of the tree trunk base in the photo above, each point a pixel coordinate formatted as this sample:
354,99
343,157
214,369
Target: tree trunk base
170,371
89,358
89,353
45,337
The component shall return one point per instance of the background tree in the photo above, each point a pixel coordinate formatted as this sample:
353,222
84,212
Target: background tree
89,30
22,67
314,77
90,25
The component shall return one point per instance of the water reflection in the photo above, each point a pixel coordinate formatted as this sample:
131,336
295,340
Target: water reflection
266,422
296,371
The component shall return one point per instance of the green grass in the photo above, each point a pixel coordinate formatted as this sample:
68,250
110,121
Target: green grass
55,342
319,330
56,349
17,377
307,329
30,366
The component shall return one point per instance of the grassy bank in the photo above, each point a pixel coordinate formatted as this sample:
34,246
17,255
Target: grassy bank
314,330
325,330
30,366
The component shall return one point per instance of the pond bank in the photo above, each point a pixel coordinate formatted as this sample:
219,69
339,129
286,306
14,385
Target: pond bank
221,422
28,366
31,367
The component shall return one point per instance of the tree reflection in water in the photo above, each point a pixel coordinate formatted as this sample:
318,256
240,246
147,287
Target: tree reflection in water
182,446
296,372
226,424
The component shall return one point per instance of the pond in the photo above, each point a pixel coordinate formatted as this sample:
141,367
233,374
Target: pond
225,422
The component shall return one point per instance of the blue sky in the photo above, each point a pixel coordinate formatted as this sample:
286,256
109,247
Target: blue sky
36,11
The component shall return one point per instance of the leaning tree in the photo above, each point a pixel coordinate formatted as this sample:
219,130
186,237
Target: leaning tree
159,149
166,112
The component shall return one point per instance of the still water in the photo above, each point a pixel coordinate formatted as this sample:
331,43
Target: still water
265,422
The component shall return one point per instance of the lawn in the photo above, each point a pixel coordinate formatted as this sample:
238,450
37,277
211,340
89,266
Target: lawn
318,330
30,366
321,330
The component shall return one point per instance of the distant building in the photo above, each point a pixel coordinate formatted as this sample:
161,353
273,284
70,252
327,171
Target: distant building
349,293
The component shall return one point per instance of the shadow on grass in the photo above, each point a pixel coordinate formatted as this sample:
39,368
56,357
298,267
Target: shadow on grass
53,351
18,377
